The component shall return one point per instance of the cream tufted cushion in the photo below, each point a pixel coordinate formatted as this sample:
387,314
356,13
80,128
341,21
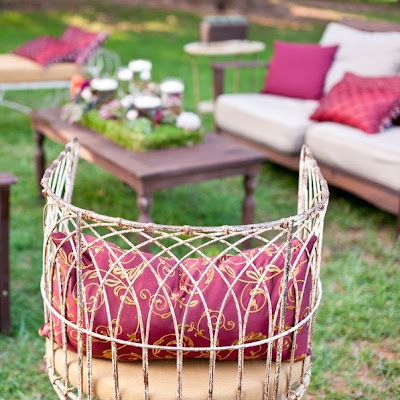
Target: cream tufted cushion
14,68
162,377
275,121
375,157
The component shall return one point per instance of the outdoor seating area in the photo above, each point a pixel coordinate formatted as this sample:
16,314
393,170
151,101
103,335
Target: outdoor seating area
280,123
165,174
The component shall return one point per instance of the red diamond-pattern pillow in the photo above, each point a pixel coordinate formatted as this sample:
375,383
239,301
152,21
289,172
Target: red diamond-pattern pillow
369,104
85,42
47,50
386,83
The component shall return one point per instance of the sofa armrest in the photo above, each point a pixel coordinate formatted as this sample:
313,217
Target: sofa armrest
220,67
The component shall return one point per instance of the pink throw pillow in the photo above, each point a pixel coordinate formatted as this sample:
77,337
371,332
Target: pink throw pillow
85,42
369,104
116,274
298,70
385,83
46,50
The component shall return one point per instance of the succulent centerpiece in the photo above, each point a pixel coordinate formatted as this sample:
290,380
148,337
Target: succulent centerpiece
132,110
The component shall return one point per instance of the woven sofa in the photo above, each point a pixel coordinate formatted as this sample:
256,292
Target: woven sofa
362,164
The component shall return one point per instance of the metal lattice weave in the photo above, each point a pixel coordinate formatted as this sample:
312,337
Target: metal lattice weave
177,249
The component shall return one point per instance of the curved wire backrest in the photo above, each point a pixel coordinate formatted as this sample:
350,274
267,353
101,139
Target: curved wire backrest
199,257
103,63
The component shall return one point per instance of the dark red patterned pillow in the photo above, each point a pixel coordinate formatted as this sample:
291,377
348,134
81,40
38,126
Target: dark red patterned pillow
369,104
84,41
129,280
386,83
47,50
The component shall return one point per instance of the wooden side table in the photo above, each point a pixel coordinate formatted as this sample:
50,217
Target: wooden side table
6,180
233,48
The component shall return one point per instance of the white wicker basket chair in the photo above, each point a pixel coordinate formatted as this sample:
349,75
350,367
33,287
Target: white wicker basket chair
198,318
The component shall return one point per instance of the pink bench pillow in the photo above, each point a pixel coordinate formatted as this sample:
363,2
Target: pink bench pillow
46,50
298,70
367,103
116,274
85,42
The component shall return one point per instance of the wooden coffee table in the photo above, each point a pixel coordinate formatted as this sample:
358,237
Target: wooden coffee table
217,157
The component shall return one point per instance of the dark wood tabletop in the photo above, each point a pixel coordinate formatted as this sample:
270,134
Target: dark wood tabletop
217,157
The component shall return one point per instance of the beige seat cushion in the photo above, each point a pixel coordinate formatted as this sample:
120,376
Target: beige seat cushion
276,121
373,157
14,68
162,378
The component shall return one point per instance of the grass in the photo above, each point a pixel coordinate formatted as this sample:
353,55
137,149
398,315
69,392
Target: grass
356,347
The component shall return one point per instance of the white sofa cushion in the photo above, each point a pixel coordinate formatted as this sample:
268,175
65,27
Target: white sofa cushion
373,157
361,52
276,121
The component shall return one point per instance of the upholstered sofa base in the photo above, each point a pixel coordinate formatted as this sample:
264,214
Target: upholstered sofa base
379,195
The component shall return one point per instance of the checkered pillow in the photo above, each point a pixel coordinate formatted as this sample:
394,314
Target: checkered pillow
369,104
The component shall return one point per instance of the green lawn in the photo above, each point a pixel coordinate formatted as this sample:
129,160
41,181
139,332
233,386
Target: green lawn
357,346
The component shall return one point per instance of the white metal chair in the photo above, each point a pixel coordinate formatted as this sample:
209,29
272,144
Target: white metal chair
88,303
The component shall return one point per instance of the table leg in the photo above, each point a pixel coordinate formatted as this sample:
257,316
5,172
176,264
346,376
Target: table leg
4,261
236,77
4,266
250,184
196,80
144,202
40,158
252,77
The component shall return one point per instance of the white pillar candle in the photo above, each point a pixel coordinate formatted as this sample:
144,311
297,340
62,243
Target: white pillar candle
147,102
140,65
104,84
171,91
124,74
172,86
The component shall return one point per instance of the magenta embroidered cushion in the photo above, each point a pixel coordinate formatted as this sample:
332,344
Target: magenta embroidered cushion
129,280
298,70
369,104
85,42
46,50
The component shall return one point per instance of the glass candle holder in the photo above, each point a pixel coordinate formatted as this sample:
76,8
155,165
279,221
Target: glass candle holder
124,76
138,67
104,88
171,92
148,106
